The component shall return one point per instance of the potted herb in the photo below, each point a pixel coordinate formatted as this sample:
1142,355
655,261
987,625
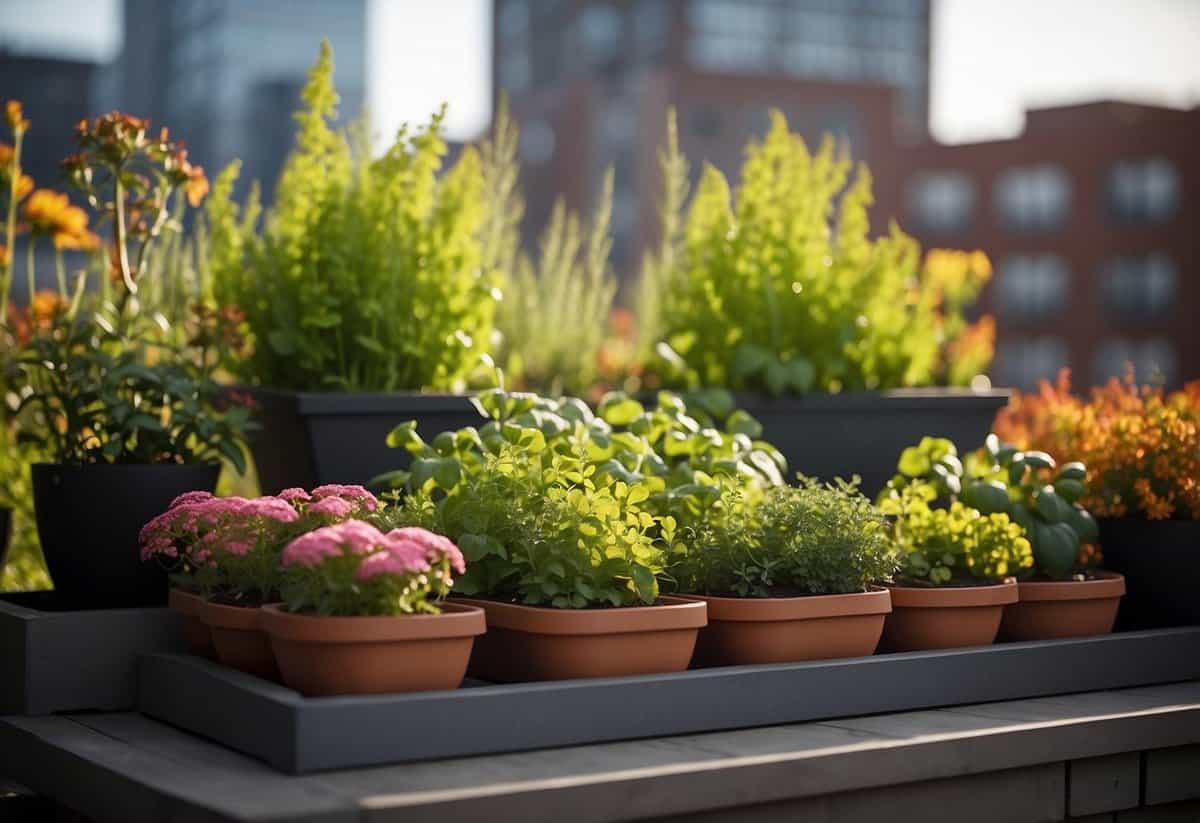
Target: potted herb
1141,445
563,552
956,563
362,286
1065,594
832,338
363,612
124,406
796,576
224,555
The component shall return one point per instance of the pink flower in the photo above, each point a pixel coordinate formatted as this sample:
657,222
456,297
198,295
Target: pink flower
336,507
190,497
433,546
294,495
355,494
351,537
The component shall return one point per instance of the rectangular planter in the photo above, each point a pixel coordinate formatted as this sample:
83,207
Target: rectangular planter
832,435
297,734
311,438
56,659
1161,563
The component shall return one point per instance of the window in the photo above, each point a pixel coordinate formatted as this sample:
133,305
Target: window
1032,288
1144,190
1149,358
727,53
941,201
1140,287
819,60
514,18
1033,197
1022,362
537,142
738,18
600,31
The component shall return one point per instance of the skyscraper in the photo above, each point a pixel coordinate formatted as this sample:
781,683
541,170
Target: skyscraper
225,75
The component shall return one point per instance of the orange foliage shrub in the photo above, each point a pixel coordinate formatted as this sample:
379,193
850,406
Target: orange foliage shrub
1140,444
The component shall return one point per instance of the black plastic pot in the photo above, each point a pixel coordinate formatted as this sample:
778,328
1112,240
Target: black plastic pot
5,534
837,435
1161,563
88,519
311,438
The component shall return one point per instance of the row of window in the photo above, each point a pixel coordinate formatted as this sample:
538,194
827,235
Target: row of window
1034,288
1022,362
1038,197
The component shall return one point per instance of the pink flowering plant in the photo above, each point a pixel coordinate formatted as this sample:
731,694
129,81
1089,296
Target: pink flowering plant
229,547
354,569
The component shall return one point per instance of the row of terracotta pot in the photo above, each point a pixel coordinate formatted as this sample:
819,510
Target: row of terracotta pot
505,642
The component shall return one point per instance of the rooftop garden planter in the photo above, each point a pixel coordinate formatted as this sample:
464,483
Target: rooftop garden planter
1160,560
788,574
748,630
88,519
345,322
239,640
530,643
957,563
190,608
1142,449
314,438
1051,609
5,532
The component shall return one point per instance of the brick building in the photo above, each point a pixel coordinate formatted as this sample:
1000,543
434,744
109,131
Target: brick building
1090,219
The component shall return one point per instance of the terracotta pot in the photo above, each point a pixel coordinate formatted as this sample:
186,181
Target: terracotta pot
945,617
525,643
239,640
189,606
1070,608
320,656
748,630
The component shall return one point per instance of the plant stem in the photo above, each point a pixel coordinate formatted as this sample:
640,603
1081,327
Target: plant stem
122,251
30,278
10,225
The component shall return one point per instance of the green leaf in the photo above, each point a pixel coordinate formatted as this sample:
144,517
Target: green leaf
801,374
1069,490
777,377
1039,460
988,496
1073,471
749,360
1050,506
645,583
914,462
741,422
618,409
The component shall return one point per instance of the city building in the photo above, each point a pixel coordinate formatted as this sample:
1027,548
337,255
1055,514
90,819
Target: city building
1090,219
590,81
226,75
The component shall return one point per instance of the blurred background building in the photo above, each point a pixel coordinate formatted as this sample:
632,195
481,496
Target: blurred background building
1087,211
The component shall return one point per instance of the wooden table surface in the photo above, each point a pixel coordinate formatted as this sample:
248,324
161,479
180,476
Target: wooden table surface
126,767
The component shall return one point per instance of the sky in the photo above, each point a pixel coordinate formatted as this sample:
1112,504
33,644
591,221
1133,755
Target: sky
992,58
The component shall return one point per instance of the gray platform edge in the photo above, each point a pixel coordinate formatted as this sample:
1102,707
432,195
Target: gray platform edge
75,661
300,735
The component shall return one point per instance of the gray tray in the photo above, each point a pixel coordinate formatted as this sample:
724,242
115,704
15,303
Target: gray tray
297,734
55,659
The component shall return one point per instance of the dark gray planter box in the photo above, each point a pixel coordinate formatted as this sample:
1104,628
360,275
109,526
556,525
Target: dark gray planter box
297,734
832,435
1161,563
311,438
55,659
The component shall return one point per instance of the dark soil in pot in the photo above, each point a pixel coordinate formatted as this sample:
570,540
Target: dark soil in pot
88,519
1161,563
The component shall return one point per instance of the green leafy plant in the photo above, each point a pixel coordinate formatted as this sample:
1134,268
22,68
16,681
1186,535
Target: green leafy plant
811,538
553,503
943,540
778,286
1042,497
367,274
552,319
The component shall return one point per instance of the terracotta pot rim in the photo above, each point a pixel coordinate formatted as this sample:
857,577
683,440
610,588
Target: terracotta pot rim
1106,586
954,597
810,607
670,613
456,620
185,602
242,618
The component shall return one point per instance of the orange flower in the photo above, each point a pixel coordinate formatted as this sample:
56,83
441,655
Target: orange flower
39,315
1141,446
50,213
14,115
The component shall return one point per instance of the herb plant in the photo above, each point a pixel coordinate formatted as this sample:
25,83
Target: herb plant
1043,497
353,569
942,539
777,285
811,538
367,274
